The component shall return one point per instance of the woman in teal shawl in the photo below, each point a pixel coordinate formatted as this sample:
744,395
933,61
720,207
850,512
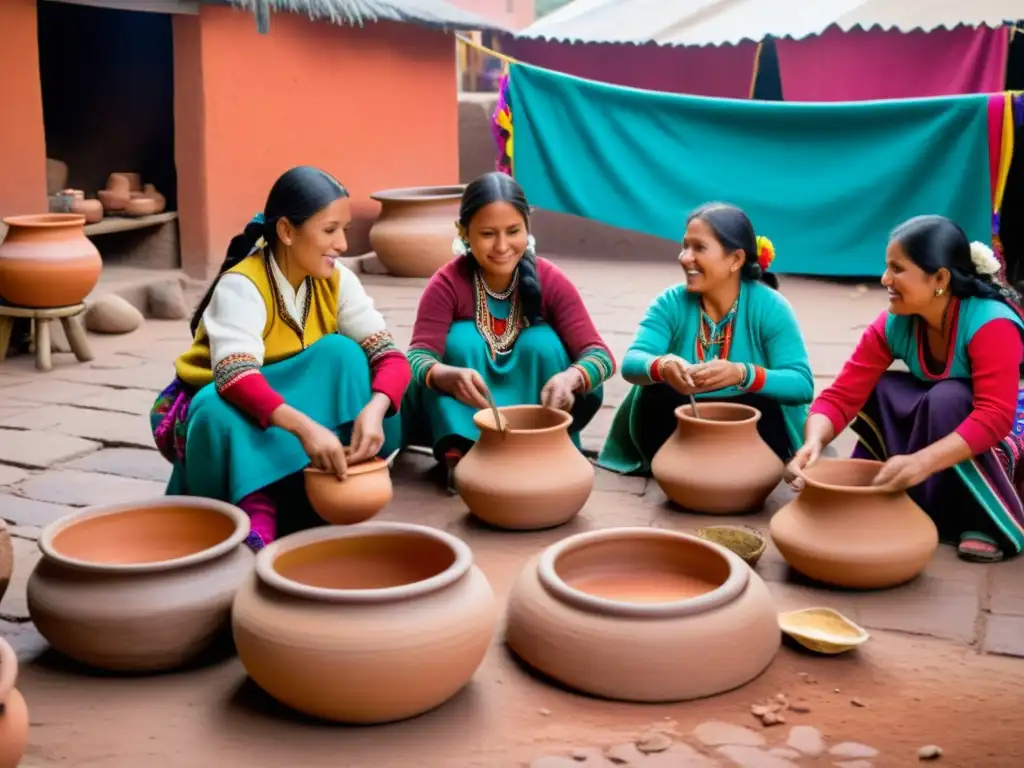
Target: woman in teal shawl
740,333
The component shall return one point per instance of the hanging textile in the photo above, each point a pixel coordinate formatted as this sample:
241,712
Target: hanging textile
827,182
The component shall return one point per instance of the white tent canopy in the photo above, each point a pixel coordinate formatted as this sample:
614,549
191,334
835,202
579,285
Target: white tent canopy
727,22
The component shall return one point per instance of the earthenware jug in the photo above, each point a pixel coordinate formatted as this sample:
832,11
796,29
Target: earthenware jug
413,235
716,462
47,261
368,623
642,614
842,530
364,492
14,713
141,587
527,476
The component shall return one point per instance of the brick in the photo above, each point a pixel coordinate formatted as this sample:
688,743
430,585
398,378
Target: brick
136,401
1004,636
126,462
83,489
31,448
1006,590
149,375
10,475
102,426
29,512
26,555
926,606
52,391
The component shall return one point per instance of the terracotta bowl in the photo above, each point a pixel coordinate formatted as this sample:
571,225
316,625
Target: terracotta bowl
369,623
364,492
139,587
141,206
642,614
842,530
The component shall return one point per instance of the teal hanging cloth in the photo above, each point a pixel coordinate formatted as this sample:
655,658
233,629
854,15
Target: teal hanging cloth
826,182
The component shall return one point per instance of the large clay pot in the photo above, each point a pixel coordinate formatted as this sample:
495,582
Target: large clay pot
14,713
717,464
642,614
140,587
366,624
844,531
413,234
364,492
528,477
47,261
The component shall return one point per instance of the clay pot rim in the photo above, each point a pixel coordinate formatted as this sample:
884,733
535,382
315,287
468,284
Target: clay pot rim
220,549
420,194
8,670
862,490
565,419
46,220
267,556
363,468
732,588
683,413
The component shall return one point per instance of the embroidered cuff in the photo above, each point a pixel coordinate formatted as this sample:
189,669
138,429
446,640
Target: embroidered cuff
423,362
596,365
753,379
655,370
247,389
390,375
378,344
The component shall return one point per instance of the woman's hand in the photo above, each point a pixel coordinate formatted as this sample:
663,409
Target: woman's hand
464,384
323,447
676,373
902,472
717,374
368,429
560,390
806,455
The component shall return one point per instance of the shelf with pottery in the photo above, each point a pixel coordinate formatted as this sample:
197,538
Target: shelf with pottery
112,224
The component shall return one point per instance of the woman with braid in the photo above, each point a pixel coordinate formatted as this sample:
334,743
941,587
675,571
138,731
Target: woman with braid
291,363
499,321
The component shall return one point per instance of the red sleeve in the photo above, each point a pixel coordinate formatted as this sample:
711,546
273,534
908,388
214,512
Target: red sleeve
252,394
995,352
852,387
568,315
435,313
390,375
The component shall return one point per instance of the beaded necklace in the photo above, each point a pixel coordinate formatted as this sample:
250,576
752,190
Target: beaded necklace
499,334
712,335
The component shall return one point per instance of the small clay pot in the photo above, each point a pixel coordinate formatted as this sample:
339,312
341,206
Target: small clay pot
113,201
842,530
528,477
642,614
364,492
148,190
413,234
120,179
140,587
717,464
47,261
14,714
6,558
141,206
369,623
91,209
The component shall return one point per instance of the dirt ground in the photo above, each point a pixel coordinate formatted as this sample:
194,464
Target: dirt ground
942,668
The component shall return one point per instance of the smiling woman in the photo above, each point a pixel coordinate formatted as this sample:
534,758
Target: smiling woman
284,337
499,321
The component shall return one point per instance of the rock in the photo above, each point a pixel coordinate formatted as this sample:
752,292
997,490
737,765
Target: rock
806,740
653,742
853,750
166,301
854,764
785,752
715,733
554,761
112,314
931,752
753,757
544,711
857,702
800,709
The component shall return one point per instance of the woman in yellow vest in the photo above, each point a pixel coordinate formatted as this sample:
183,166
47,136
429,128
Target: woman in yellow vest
290,361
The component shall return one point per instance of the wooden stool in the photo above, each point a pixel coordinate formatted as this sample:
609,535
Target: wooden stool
41,322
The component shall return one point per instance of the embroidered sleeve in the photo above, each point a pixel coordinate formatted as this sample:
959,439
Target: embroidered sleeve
653,340
361,321
234,321
995,353
434,317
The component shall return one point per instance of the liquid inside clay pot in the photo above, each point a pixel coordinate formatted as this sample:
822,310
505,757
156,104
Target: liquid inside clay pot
413,234
14,714
364,492
844,531
370,623
528,477
717,464
642,614
139,587
47,261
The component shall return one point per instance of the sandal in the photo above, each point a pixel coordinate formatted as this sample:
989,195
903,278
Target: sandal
976,547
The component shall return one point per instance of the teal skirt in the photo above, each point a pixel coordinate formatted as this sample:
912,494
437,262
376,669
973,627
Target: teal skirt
227,455
437,420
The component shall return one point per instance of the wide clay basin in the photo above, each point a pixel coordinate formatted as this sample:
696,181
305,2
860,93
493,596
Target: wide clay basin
140,587
364,492
526,474
844,531
642,614
368,623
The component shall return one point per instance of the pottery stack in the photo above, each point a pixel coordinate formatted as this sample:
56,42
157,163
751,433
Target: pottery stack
126,195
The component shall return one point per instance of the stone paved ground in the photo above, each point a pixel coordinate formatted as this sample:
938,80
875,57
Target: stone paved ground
79,436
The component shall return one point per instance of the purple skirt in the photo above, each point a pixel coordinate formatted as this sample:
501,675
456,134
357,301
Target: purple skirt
905,414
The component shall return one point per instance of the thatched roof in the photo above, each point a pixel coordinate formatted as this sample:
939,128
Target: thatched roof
436,14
